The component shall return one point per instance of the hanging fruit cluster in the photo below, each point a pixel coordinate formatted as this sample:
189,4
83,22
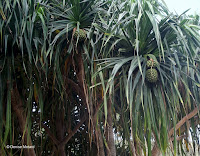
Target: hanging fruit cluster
81,34
151,72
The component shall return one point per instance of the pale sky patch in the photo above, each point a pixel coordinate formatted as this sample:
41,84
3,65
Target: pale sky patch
179,6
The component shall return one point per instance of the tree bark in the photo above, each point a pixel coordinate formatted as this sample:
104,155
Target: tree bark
100,142
111,151
17,107
60,130
99,137
61,150
155,151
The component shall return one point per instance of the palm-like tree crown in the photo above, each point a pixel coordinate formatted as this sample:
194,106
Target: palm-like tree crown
146,30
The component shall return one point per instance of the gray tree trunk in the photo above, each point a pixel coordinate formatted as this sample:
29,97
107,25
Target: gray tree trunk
111,150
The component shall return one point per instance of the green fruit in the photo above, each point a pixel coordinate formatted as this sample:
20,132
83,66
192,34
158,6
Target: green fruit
151,63
81,33
151,75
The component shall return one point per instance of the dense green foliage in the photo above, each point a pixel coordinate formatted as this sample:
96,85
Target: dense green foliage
72,72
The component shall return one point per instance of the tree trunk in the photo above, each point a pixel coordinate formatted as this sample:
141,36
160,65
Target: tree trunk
99,138
18,109
61,150
60,130
111,151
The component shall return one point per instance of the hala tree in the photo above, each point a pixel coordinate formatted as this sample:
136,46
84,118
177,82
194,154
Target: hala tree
23,34
80,74
159,100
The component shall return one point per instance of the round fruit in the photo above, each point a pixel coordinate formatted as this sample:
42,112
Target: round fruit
81,33
151,75
151,63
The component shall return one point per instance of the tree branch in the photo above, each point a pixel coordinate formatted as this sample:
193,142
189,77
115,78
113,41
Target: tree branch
69,136
77,89
84,118
50,134
178,138
183,120
182,130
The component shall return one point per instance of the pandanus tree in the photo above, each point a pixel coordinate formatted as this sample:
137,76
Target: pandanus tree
23,42
96,77
152,57
42,63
